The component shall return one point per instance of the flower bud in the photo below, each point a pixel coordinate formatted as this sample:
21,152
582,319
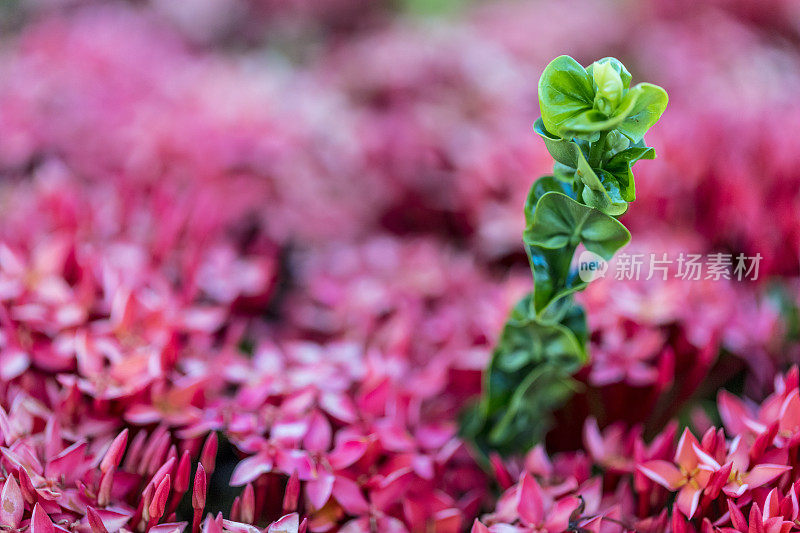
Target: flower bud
183,472
208,456
115,452
248,507
199,489
159,502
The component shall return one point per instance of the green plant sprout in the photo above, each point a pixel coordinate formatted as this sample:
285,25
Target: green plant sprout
593,124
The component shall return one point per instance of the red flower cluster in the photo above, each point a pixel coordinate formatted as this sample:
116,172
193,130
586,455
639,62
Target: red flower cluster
742,477
55,480
240,293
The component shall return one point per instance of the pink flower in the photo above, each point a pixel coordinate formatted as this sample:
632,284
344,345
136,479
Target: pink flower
688,478
741,477
771,520
534,508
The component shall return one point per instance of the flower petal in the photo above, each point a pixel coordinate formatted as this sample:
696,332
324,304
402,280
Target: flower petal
40,522
688,499
762,474
249,469
531,501
11,505
664,473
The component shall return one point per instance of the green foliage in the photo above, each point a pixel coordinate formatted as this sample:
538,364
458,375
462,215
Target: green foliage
528,378
574,106
560,221
593,124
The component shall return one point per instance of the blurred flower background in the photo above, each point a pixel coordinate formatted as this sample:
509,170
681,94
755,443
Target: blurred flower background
279,238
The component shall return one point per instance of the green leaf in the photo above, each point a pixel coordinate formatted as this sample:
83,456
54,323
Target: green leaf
563,173
528,378
541,392
571,155
575,320
600,192
589,123
609,199
552,277
617,65
615,143
541,186
631,156
565,92
563,151
620,167
573,106
560,221
650,101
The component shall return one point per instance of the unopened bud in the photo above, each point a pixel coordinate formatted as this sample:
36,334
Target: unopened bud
609,87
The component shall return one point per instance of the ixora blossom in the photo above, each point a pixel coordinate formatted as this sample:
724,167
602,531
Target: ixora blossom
52,483
721,482
353,439
695,471
198,311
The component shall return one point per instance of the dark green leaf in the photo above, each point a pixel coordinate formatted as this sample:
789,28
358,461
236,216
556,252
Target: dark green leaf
600,193
620,167
541,186
552,277
528,378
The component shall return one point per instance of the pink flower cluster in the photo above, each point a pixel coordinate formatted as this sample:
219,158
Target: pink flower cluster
739,477
55,479
241,292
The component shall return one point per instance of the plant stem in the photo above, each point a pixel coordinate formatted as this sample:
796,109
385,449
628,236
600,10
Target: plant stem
596,151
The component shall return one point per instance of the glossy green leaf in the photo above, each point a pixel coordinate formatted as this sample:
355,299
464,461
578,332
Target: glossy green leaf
574,106
571,156
560,221
607,199
615,143
649,104
565,92
563,173
589,123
